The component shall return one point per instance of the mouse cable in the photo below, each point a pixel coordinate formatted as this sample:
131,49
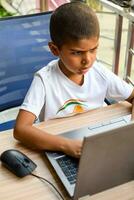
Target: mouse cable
45,180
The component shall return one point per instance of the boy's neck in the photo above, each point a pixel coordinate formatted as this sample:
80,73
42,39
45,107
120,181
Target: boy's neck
76,78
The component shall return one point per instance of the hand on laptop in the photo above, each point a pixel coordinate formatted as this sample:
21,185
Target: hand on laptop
73,148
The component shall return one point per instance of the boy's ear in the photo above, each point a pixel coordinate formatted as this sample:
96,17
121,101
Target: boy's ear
53,48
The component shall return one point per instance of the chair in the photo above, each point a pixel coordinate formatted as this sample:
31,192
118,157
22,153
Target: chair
23,51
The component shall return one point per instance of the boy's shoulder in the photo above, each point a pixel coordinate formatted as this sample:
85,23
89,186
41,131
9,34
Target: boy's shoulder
47,70
97,66
101,70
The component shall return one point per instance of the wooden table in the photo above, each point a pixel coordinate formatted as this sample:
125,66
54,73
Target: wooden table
30,188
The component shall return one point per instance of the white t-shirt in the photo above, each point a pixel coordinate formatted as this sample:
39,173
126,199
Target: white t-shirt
53,95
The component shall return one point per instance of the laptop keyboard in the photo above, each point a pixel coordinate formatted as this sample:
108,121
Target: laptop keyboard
110,124
69,167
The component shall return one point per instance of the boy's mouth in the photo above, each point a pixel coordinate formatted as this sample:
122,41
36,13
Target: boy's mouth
84,70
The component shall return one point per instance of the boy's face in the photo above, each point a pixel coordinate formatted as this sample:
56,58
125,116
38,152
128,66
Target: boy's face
76,58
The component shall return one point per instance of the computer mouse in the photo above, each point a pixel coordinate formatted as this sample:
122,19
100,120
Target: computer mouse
17,162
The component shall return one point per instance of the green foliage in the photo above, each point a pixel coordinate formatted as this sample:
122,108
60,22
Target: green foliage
4,13
95,4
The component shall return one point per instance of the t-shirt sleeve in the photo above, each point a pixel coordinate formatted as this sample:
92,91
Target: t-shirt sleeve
117,88
35,97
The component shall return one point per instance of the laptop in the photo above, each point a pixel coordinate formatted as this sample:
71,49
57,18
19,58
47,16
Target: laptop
107,158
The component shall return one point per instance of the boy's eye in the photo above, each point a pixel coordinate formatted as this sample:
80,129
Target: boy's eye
93,50
76,53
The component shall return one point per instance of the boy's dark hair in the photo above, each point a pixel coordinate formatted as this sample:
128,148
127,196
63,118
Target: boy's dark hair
73,21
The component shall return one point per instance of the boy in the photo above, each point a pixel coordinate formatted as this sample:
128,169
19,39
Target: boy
74,83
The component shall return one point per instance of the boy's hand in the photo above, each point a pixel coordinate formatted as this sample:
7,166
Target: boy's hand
73,148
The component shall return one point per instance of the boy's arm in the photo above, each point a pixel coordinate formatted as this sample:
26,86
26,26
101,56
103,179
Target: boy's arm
35,138
131,100
132,117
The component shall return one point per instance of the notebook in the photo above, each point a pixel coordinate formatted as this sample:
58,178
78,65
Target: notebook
107,158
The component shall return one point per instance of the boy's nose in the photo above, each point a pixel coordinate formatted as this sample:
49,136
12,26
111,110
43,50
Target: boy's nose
86,58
